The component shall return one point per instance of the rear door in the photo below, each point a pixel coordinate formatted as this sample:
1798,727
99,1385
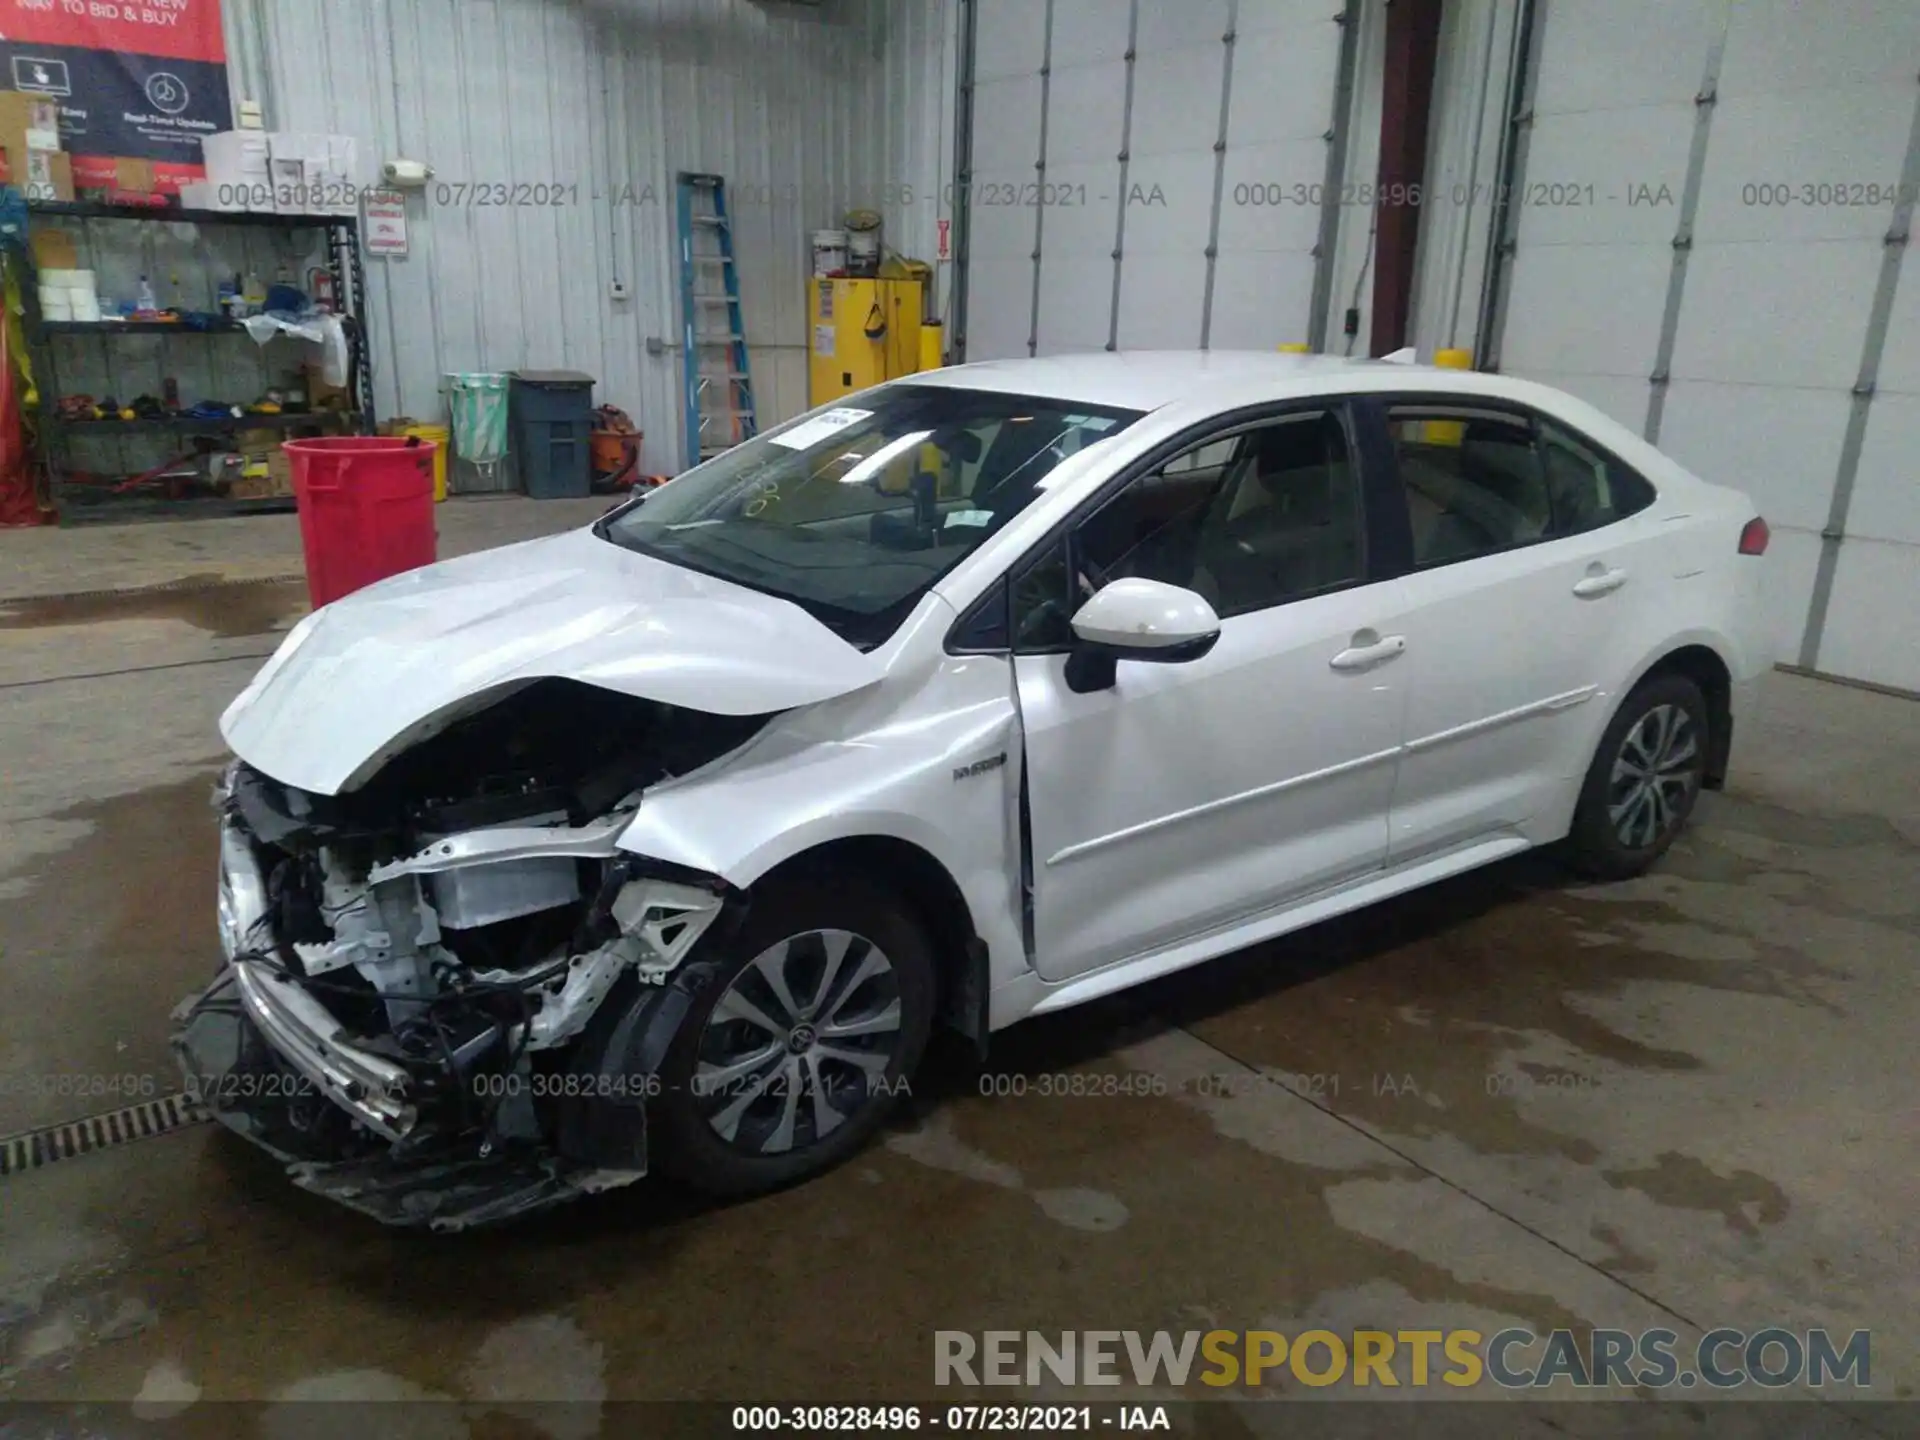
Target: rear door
1534,566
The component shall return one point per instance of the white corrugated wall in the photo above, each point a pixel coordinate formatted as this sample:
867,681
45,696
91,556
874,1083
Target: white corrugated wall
806,110
1149,175
912,102
1472,72
1714,249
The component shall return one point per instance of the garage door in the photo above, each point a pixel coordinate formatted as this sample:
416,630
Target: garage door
1147,174
1770,349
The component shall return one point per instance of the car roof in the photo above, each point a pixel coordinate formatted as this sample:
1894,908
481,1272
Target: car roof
1151,379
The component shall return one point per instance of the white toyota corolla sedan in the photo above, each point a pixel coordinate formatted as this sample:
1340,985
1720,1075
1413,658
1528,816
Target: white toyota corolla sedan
978,695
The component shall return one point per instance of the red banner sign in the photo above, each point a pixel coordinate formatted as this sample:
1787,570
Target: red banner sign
135,79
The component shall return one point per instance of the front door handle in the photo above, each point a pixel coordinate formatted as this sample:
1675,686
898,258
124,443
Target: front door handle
1369,649
1599,581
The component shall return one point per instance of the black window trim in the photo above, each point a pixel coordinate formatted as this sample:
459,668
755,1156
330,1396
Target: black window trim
1375,543
1374,411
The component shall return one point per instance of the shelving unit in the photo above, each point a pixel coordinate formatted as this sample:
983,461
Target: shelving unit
137,327
88,503
199,424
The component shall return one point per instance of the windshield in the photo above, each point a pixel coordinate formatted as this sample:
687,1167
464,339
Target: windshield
855,513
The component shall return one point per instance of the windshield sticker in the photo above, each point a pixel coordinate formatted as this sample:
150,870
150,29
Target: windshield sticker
969,517
820,429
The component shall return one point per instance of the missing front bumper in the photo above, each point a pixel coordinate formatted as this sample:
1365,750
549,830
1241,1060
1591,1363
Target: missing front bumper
428,1178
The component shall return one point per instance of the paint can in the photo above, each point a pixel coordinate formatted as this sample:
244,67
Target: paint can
829,252
863,243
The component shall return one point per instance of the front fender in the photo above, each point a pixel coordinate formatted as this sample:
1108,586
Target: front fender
937,768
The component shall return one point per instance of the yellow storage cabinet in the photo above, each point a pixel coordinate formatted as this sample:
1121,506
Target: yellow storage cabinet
863,332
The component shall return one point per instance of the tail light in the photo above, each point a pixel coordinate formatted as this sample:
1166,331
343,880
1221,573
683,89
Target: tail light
1754,536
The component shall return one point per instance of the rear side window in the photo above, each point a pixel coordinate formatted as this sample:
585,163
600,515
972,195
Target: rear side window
1588,489
1481,481
1473,480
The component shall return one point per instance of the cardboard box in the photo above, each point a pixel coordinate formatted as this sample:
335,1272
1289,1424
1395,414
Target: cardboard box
296,168
299,145
282,170
265,468
314,172
322,396
235,156
135,183
54,248
34,119
239,176
49,175
30,138
134,177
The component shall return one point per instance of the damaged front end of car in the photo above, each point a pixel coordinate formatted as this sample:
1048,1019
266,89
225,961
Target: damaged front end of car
446,994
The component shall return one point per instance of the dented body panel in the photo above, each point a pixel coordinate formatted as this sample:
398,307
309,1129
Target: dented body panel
370,675
934,761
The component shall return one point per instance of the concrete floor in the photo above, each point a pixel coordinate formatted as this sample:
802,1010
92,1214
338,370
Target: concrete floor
1685,1101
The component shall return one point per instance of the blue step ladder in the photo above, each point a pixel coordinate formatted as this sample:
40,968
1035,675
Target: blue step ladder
719,386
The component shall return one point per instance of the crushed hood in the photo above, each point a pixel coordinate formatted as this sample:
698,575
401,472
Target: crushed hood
370,675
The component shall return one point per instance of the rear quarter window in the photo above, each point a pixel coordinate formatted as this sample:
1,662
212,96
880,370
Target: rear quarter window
1586,486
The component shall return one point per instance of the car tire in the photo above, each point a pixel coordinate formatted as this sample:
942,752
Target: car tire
816,934
1644,780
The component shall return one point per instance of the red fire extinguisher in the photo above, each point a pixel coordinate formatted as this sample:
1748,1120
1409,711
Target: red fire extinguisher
320,285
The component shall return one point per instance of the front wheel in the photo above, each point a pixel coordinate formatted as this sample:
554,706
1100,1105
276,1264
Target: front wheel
794,1050
1644,780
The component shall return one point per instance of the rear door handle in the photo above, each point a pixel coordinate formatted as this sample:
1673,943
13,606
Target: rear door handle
1368,650
1599,582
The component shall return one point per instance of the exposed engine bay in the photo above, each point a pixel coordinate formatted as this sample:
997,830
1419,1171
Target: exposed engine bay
446,991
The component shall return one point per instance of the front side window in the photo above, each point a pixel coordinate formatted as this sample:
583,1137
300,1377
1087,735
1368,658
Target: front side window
854,514
1267,515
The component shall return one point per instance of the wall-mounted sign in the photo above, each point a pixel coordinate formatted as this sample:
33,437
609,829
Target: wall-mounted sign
134,79
385,230
945,251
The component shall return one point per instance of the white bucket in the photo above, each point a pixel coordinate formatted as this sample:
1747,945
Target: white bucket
85,306
863,251
55,303
829,252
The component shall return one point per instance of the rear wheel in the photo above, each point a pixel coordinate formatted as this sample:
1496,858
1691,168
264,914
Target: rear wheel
1644,780
797,1046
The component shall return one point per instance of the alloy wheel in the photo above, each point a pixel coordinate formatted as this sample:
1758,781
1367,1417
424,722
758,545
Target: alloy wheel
1654,776
798,1042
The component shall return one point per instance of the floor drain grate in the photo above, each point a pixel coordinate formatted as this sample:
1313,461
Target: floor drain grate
34,1148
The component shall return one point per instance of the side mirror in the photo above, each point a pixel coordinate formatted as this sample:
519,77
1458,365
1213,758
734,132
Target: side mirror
1138,620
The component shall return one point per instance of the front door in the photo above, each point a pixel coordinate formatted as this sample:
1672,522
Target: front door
1189,796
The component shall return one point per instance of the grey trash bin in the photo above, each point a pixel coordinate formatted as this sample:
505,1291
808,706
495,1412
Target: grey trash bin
551,412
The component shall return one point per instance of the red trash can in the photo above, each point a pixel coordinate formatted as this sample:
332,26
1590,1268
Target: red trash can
366,509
